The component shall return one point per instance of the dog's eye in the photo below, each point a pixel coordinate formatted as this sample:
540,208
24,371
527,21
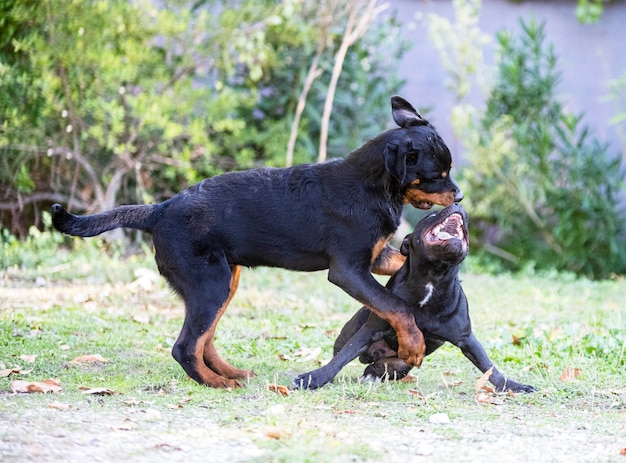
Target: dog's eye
411,159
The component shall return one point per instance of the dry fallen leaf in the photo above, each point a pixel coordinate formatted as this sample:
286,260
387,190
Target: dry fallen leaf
91,358
303,354
623,451
28,358
569,374
484,394
10,371
484,397
483,379
416,393
59,406
49,385
275,433
282,390
97,390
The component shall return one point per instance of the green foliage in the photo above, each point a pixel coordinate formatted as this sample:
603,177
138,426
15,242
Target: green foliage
590,11
459,44
543,192
601,346
46,254
121,102
618,97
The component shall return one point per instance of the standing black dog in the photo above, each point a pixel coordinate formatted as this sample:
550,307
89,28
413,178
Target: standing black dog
429,282
338,215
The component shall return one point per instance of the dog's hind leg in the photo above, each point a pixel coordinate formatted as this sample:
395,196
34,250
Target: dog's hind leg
205,285
211,357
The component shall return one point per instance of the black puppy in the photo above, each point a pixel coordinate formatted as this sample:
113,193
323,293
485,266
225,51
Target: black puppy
429,282
338,215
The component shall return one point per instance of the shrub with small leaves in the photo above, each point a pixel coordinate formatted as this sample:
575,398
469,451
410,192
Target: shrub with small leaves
543,192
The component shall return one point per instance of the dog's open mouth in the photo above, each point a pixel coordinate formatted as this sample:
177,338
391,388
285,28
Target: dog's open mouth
452,227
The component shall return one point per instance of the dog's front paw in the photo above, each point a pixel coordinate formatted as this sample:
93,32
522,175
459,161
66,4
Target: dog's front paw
411,344
516,387
524,388
412,349
308,381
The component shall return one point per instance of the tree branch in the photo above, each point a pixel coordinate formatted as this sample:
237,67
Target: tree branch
21,201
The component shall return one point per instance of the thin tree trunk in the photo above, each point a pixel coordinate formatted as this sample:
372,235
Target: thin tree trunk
351,35
314,73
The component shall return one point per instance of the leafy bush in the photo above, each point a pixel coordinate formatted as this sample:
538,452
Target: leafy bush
542,191
136,102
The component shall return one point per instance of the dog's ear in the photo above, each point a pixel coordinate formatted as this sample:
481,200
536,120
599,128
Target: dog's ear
404,247
395,162
404,114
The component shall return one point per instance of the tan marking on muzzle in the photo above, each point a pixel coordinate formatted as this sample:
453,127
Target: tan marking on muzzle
414,196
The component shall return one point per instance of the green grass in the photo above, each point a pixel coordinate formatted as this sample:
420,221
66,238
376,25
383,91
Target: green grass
84,302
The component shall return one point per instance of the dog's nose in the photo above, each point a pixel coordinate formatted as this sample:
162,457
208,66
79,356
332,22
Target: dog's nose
458,194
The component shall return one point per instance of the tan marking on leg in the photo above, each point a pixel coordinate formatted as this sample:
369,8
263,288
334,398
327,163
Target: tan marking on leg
210,355
207,376
379,246
388,261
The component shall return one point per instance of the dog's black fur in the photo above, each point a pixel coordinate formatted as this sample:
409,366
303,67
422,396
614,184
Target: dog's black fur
338,215
429,282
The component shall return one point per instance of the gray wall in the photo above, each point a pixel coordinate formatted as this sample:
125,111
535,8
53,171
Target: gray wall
589,56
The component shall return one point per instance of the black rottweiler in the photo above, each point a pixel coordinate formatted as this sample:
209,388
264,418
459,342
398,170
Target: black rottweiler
429,282
338,215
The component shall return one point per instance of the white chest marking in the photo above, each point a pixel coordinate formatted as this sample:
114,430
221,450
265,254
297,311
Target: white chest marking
429,293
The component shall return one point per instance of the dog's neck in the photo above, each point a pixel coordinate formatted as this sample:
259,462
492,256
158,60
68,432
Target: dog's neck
368,160
431,281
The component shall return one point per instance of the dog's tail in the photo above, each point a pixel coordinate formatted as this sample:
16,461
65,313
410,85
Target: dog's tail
140,217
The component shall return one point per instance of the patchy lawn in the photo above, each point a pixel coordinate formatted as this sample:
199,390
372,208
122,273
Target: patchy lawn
103,329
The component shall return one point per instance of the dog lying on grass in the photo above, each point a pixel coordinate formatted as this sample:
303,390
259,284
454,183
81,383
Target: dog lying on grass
429,282
338,215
